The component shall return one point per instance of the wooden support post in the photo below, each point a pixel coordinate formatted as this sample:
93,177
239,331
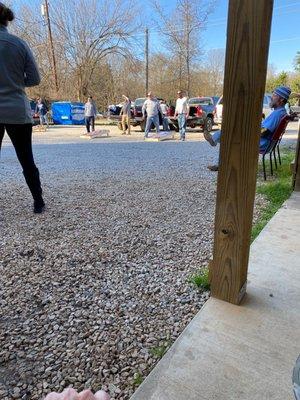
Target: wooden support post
296,172
248,38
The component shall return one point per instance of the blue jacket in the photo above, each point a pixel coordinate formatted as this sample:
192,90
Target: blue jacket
18,70
271,123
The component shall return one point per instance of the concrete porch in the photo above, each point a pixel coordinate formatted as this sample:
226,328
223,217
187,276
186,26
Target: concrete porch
242,352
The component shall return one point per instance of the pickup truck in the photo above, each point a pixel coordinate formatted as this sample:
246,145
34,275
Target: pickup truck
201,113
113,114
138,115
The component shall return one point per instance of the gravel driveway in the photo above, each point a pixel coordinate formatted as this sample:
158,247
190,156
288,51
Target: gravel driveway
94,290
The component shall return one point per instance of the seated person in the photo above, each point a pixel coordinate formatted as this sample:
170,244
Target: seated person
280,97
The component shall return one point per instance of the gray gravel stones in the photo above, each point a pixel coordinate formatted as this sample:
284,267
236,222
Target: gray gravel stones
91,287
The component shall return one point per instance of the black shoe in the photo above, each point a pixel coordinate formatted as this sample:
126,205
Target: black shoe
213,167
38,206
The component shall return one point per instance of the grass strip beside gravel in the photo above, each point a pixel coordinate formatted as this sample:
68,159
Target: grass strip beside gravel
201,279
276,189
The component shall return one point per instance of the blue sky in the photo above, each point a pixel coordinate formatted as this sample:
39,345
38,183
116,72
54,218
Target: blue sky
285,35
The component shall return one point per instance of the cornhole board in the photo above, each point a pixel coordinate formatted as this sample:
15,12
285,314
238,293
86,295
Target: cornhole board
39,128
160,136
96,134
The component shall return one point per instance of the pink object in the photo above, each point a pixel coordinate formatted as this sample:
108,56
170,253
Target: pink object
71,394
86,395
101,395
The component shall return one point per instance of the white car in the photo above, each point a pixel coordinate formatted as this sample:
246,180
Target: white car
266,109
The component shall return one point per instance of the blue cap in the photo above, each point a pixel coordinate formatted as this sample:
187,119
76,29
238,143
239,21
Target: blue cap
283,91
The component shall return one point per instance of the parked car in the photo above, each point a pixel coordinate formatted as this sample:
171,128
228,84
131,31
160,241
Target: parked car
295,111
201,113
113,114
266,109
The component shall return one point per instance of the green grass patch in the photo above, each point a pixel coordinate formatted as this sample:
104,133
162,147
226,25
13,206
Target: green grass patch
276,190
137,379
200,279
160,351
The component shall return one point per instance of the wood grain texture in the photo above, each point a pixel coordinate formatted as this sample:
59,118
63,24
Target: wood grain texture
248,38
296,175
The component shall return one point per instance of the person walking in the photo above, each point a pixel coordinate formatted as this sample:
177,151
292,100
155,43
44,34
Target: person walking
181,112
18,70
151,109
90,113
41,109
126,115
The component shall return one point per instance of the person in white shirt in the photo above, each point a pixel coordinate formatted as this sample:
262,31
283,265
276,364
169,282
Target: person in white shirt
181,112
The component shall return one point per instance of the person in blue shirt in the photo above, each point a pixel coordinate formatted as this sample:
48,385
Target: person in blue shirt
18,70
279,99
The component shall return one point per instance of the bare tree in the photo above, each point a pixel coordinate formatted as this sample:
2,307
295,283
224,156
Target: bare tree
90,31
214,65
86,33
182,29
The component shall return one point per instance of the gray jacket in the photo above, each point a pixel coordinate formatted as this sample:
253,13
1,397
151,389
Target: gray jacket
151,107
18,70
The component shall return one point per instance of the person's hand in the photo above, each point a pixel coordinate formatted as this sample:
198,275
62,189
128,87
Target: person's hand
71,394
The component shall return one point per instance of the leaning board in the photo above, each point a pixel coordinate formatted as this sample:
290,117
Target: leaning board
160,136
96,134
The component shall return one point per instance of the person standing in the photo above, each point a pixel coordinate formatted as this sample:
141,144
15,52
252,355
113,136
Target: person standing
126,115
41,109
181,112
18,70
164,110
90,113
151,108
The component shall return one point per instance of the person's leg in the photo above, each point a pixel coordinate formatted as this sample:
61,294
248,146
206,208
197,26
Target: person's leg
156,123
165,124
183,130
1,135
217,136
93,123
46,120
87,124
41,120
214,139
123,122
128,125
148,126
180,125
21,137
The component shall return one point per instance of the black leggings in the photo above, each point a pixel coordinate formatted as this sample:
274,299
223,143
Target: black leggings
90,122
21,137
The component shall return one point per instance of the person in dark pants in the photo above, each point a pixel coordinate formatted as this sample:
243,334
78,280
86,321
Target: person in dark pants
90,113
18,70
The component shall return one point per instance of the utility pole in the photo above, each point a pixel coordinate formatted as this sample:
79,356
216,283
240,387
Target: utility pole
147,58
45,14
